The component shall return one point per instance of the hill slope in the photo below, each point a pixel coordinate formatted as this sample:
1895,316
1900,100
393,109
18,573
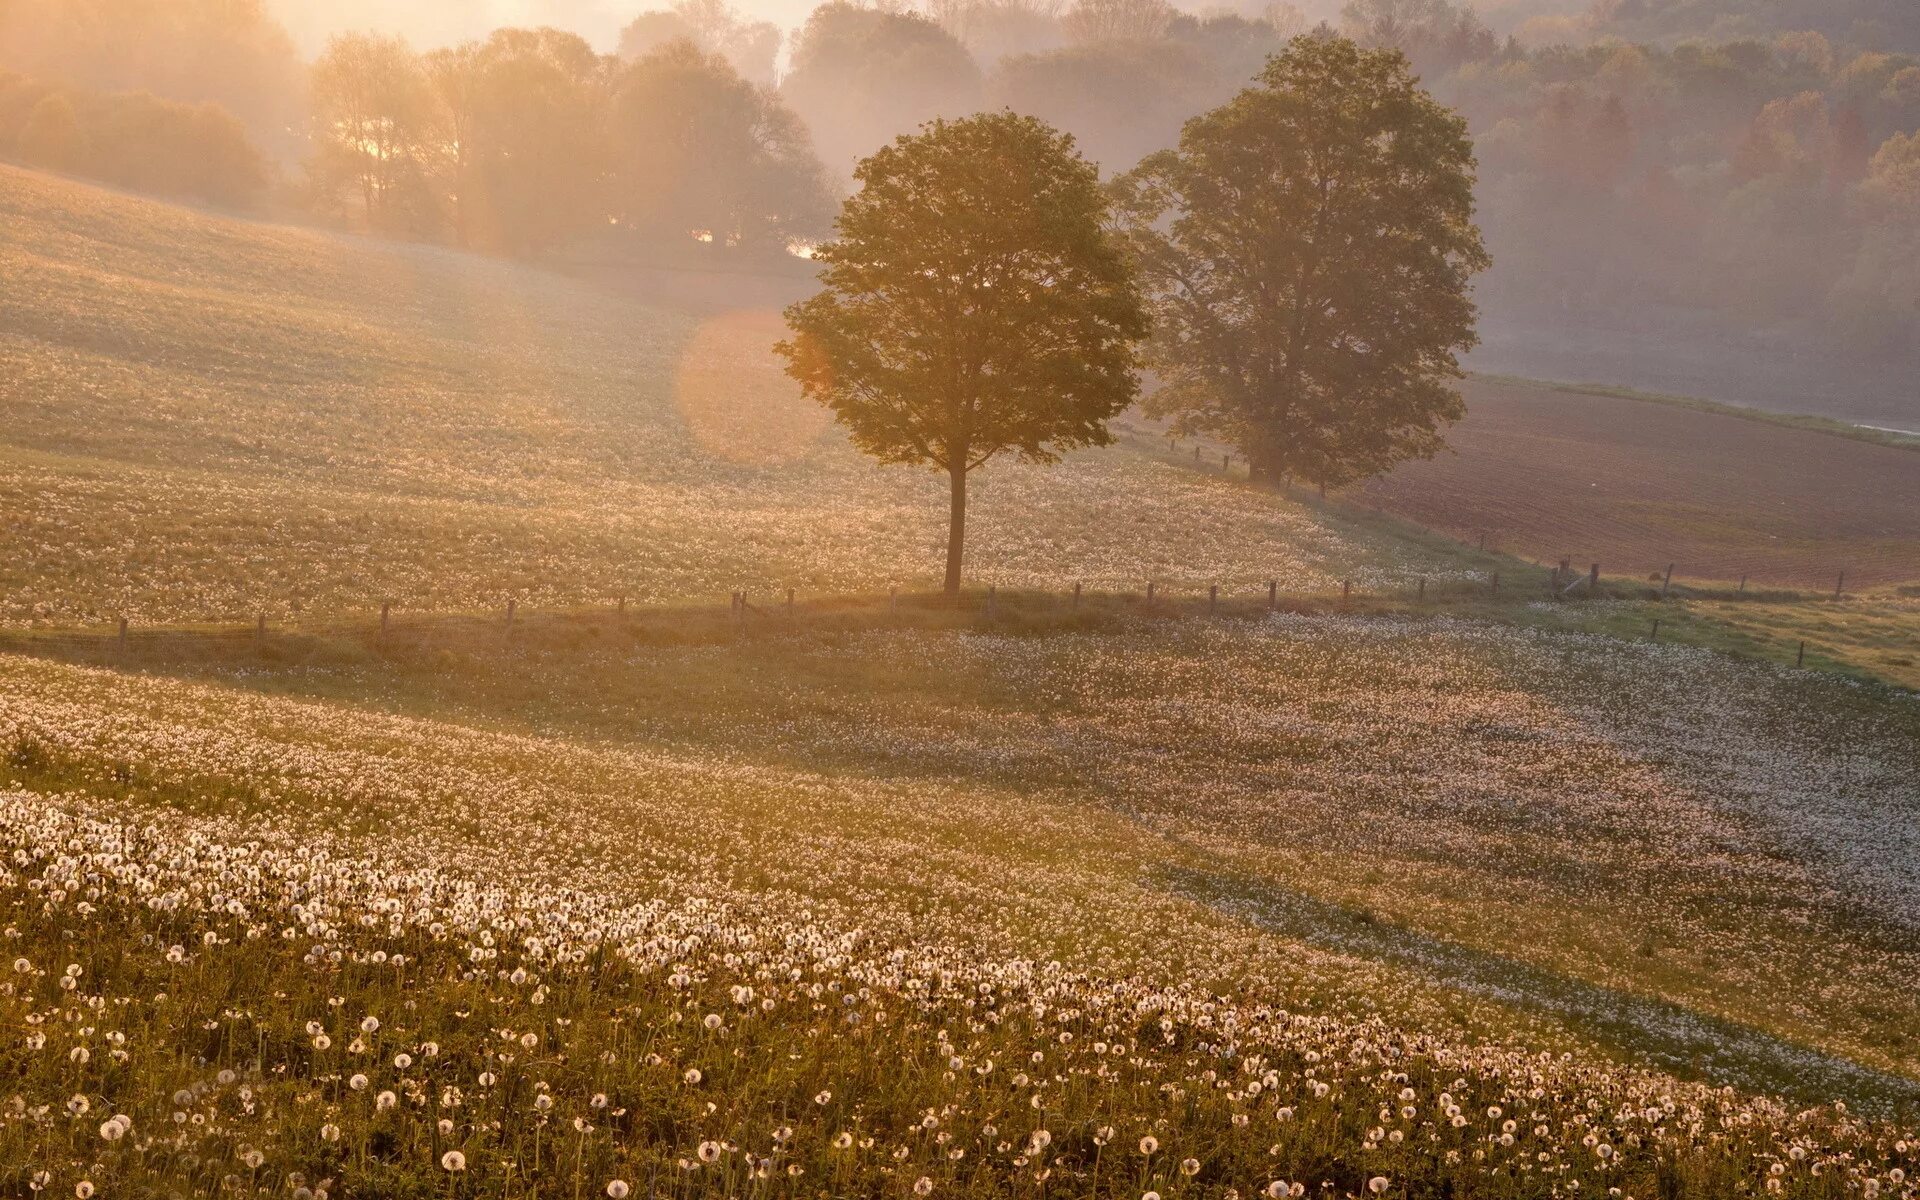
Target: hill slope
218,418
852,901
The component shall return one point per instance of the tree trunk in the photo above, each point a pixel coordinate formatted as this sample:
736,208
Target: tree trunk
956,526
1264,468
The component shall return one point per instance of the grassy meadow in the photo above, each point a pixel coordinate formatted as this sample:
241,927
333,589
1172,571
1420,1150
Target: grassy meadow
210,419
1450,893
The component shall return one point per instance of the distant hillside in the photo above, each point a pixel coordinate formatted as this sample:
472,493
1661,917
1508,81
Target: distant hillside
1885,25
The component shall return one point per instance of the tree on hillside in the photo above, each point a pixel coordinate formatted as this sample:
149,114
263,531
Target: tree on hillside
226,52
534,145
132,140
52,137
862,75
975,304
1308,247
697,148
376,132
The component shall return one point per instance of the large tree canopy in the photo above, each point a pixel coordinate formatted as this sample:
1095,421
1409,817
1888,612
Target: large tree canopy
975,304
1308,247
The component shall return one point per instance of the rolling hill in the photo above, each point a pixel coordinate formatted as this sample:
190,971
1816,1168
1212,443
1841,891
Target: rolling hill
1417,894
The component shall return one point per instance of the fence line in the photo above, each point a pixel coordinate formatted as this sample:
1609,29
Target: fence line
1154,603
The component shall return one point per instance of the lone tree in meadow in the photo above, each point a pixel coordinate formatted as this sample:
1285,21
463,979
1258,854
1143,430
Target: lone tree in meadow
976,304
1308,248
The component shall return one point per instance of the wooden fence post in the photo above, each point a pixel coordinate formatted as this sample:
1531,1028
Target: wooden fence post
893,600
510,607
1800,659
1213,598
991,590
260,628
123,633
1423,589
621,608
1273,594
1743,585
1149,591
1076,596
1593,580
1656,629
789,600
386,608
1840,588
1346,590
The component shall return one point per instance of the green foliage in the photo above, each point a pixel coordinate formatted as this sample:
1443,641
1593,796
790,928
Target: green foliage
1309,247
975,304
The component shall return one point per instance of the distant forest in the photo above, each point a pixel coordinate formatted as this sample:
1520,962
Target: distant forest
1758,159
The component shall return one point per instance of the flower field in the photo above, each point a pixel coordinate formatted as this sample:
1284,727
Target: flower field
1225,907
853,900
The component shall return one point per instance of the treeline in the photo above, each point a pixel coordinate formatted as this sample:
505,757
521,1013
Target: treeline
226,52
131,140
1882,24
1771,181
1764,179
530,140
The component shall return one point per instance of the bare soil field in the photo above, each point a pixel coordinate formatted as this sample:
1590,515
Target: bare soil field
1636,485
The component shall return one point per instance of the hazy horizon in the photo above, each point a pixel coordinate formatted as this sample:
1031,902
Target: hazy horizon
434,23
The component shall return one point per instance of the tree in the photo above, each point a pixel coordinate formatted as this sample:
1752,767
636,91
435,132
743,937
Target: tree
52,136
1308,247
975,304
376,131
1436,33
862,75
226,52
995,29
698,148
1118,20
1121,99
536,102
750,46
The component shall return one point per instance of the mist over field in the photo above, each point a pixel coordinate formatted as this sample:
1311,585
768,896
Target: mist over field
971,599
1683,196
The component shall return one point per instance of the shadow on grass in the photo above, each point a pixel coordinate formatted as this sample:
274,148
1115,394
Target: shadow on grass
1663,1035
